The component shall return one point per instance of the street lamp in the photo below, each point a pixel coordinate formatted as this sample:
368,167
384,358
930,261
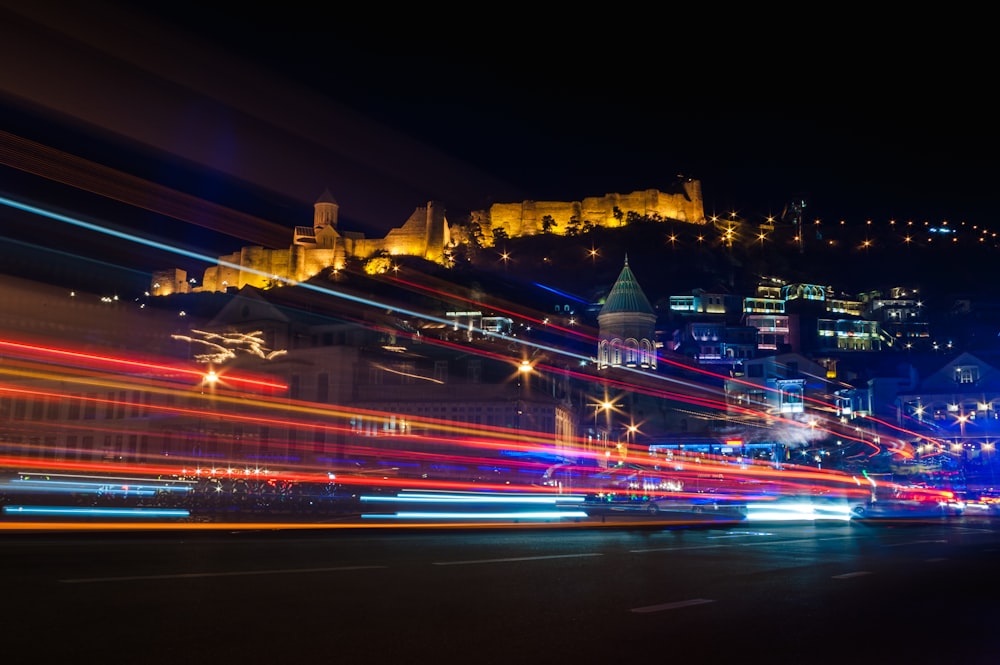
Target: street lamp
962,419
606,406
209,382
987,447
523,370
630,431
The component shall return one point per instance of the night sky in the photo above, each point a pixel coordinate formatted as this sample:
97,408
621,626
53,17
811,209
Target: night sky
260,110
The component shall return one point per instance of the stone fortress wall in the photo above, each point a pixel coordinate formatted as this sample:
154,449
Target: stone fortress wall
526,218
426,233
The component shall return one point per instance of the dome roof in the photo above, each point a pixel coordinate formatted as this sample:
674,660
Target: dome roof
626,295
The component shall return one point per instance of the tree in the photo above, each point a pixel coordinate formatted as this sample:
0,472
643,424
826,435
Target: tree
573,226
548,223
500,233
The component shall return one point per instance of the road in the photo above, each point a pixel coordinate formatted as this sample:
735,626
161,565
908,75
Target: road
915,592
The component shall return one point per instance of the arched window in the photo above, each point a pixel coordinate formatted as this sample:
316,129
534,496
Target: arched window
603,354
616,352
631,352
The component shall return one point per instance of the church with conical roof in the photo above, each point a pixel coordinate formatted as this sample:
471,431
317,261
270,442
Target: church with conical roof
627,324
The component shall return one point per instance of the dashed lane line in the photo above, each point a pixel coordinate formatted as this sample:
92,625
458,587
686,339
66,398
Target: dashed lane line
235,573
511,559
670,606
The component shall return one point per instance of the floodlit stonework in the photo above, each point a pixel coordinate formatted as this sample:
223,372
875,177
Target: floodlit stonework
684,204
426,234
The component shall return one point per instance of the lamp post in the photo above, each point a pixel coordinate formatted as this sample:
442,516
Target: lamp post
605,406
209,381
523,371
987,449
630,431
962,419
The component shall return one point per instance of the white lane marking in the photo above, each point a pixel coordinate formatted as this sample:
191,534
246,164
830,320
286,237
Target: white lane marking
847,576
914,542
670,606
518,558
677,549
794,541
182,576
754,543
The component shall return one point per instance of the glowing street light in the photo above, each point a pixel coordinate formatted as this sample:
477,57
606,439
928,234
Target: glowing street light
606,406
524,369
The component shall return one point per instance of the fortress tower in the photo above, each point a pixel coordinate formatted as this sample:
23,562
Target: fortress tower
325,211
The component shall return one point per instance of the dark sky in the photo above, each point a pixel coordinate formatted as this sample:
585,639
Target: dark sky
262,108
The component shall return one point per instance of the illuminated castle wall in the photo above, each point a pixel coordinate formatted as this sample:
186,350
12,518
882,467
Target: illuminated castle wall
425,234
684,204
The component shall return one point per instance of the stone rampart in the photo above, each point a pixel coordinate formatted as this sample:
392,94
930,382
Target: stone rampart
610,210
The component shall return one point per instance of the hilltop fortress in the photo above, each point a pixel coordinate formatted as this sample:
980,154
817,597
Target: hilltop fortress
427,234
682,203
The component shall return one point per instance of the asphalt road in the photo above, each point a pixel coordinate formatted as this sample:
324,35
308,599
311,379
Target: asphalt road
913,592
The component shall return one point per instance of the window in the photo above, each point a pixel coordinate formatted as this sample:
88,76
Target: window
90,409
966,374
74,408
441,370
323,388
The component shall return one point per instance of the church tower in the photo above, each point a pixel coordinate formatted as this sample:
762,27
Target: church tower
325,211
325,219
627,323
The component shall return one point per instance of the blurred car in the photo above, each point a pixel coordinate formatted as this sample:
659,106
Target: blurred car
984,505
906,508
707,509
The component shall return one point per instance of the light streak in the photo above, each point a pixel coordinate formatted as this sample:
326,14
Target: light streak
472,498
95,487
797,511
67,511
510,515
477,499
162,370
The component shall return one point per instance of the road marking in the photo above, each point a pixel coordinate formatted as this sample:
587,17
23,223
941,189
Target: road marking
677,549
181,576
670,606
847,576
519,558
914,542
792,541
